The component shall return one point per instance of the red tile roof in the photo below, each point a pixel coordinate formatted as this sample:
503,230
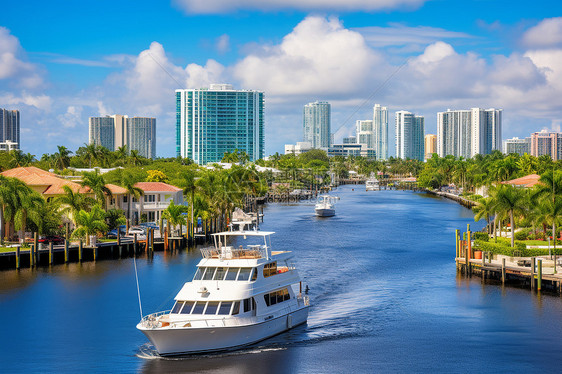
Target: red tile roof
48,183
157,187
526,181
116,190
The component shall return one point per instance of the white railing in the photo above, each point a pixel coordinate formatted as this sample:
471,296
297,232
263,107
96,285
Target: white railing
151,321
149,206
229,253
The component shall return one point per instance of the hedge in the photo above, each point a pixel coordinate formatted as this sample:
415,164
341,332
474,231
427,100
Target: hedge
503,248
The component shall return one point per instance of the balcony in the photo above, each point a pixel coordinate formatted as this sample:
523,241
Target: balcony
151,206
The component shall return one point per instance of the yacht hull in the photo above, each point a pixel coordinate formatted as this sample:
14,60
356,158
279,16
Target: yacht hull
187,340
323,212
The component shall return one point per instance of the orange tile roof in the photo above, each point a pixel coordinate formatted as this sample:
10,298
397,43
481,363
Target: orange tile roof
526,181
33,176
157,187
116,190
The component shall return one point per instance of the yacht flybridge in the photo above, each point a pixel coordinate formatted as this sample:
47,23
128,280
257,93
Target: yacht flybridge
238,296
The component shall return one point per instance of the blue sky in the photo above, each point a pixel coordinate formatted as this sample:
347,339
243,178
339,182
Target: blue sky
64,61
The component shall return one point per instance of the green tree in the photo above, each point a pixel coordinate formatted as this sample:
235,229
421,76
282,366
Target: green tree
512,201
72,202
95,181
90,223
175,214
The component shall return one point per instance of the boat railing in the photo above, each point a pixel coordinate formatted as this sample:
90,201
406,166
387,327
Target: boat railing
152,320
303,299
229,253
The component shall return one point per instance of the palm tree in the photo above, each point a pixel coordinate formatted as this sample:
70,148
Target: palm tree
189,185
95,181
484,209
175,214
114,218
73,202
550,189
512,201
29,206
551,213
128,183
8,202
62,157
90,223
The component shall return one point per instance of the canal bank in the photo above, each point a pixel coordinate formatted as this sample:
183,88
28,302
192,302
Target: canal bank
385,297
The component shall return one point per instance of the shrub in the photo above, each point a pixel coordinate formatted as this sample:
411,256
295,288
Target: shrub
522,234
481,236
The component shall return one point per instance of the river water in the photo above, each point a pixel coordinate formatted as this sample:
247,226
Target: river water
383,285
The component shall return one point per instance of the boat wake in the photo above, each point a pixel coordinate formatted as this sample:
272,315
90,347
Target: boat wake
148,352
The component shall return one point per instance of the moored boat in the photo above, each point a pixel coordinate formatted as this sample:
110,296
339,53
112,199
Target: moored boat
238,296
325,206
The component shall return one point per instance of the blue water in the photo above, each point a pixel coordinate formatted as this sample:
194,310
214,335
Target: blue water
383,284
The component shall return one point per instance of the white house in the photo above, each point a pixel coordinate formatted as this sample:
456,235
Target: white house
156,198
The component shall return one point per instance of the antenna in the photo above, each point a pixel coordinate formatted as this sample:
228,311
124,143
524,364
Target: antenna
138,289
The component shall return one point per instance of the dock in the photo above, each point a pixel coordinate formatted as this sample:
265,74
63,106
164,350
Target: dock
541,273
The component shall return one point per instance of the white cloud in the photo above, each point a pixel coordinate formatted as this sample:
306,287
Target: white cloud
318,56
202,76
400,35
13,69
225,6
223,43
42,102
547,34
72,117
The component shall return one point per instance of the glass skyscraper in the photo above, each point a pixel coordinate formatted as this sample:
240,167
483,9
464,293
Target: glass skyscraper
136,133
9,129
410,131
380,128
316,124
210,122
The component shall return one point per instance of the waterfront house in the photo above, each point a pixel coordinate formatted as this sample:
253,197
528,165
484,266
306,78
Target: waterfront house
156,198
527,181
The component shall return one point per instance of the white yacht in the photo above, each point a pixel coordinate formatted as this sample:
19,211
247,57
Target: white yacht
325,206
237,297
372,184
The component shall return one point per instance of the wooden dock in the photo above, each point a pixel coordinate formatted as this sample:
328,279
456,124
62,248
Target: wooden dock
535,273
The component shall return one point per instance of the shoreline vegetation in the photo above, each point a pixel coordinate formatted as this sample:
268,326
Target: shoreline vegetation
212,192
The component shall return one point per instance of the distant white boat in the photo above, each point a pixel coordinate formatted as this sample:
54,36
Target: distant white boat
325,206
372,184
237,297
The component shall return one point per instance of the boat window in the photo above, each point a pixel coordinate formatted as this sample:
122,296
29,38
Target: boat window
225,307
254,274
219,274
275,297
249,304
212,307
209,274
177,307
187,307
244,274
199,274
270,269
198,308
236,308
232,273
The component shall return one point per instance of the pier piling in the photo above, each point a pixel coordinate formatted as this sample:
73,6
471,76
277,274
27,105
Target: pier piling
503,270
51,253
66,252
18,259
539,274
80,251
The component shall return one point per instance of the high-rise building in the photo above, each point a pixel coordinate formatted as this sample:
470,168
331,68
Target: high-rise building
220,119
102,132
430,145
364,133
547,143
380,128
466,133
516,145
113,132
141,136
409,135
9,129
317,124
350,140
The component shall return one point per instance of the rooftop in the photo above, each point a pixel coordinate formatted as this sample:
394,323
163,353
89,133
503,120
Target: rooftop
157,187
526,181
